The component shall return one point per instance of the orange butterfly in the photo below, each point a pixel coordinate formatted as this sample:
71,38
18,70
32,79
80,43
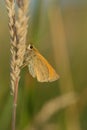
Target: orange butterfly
39,66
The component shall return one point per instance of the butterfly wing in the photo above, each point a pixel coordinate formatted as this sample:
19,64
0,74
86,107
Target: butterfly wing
52,75
31,69
42,70
38,69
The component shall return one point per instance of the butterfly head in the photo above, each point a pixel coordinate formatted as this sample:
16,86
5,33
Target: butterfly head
30,52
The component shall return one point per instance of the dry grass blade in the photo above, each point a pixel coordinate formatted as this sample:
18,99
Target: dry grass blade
53,106
22,25
18,32
14,43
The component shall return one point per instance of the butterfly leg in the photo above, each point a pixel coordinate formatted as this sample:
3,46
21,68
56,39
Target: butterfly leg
24,64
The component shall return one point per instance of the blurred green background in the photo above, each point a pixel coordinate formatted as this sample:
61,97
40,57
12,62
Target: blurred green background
59,30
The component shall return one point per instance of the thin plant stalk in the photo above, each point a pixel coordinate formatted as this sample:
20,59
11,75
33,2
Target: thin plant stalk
14,105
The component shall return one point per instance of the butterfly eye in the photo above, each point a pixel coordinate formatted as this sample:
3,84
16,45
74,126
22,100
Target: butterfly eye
30,47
